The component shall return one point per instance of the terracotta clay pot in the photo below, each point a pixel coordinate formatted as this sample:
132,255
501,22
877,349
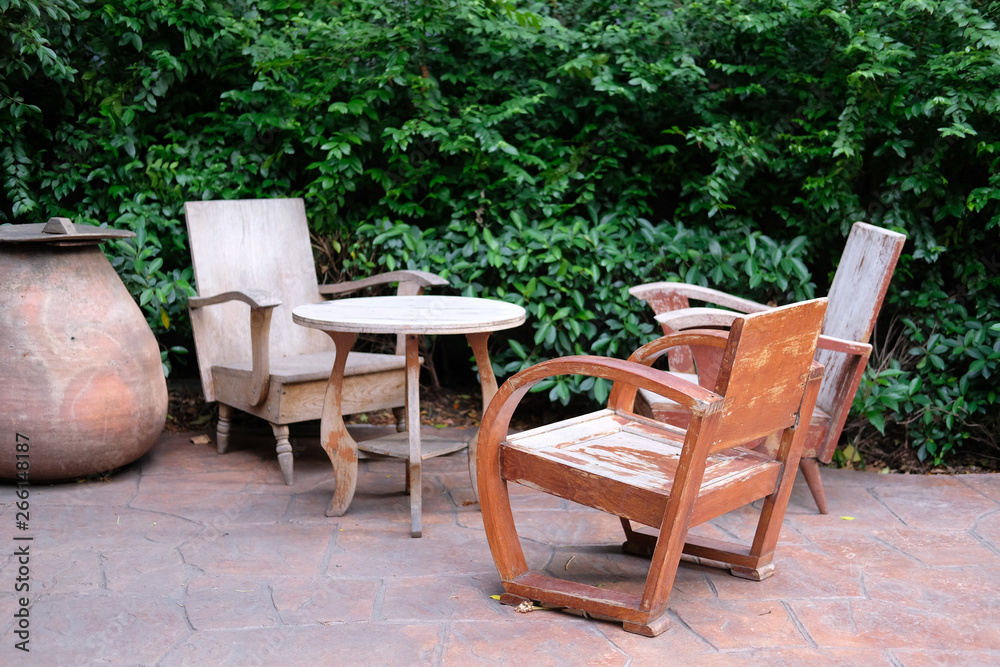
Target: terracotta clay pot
80,374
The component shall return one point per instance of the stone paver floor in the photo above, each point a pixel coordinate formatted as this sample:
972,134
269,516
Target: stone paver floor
187,557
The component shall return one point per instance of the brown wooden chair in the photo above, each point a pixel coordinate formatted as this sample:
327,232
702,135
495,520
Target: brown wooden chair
855,297
653,473
253,264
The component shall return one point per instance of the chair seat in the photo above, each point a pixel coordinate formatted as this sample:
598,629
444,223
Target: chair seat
636,459
298,385
317,366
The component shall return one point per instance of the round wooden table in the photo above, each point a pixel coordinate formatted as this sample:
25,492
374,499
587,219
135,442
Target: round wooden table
409,316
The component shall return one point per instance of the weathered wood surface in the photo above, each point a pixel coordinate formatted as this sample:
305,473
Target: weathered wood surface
61,231
655,473
253,264
637,478
408,317
397,446
856,296
412,315
411,283
338,444
488,385
241,246
855,299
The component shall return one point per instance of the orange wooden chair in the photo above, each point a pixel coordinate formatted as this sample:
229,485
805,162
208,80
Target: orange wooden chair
656,474
855,297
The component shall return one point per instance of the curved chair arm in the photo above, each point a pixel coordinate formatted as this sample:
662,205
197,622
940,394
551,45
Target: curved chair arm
622,396
495,422
691,318
255,298
415,281
665,296
262,305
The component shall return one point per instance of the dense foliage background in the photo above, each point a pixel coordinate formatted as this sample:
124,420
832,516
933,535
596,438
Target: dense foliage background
551,154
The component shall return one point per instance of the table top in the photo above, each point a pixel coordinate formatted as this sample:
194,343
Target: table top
428,314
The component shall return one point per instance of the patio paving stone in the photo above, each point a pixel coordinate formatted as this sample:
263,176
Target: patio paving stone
577,641
395,644
464,598
99,629
876,624
737,624
191,558
250,549
314,601
149,569
937,549
218,603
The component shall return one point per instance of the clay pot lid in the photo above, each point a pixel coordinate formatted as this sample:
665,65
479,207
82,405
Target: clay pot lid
60,231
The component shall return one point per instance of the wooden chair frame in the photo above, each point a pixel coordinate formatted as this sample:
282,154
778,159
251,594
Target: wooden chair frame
268,366
694,486
855,299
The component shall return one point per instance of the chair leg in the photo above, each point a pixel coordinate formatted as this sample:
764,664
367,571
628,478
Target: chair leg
753,573
284,450
651,629
810,470
223,428
399,413
773,512
637,544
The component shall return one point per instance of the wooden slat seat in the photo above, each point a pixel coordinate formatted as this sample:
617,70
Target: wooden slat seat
316,367
636,458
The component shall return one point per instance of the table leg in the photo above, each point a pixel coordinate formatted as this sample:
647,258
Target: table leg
488,384
337,442
414,462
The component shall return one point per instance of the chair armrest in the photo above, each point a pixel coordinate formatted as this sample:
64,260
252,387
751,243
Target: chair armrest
691,318
622,396
414,280
496,420
262,305
653,350
846,346
255,298
638,375
660,295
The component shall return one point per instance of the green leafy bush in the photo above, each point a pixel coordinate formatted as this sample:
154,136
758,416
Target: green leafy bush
549,153
573,276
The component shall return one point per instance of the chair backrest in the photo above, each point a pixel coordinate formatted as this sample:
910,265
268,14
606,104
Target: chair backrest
856,296
250,244
764,370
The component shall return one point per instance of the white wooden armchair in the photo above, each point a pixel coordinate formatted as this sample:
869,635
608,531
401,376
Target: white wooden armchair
253,264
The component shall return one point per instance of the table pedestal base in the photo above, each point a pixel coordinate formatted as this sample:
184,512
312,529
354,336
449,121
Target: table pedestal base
343,449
